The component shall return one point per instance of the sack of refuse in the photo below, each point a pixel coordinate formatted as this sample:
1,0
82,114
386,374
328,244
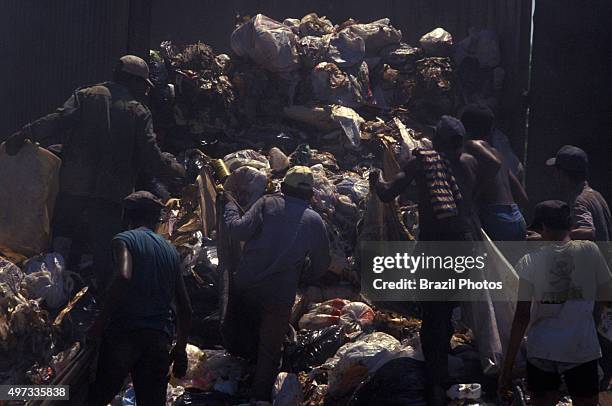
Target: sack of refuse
29,182
268,43
355,361
354,315
346,49
401,56
45,280
376,35
400,381
287,390
437,42
312,348
349,88
313,25
194,378
246,157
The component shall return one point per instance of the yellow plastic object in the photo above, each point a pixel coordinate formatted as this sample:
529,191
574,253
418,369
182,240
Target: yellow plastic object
29,183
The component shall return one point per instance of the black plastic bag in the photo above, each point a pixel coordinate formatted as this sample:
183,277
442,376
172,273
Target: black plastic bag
312,348
399,382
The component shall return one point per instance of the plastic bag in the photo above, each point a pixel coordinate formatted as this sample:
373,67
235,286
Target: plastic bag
346,49
10,275
313,25
356,188
194,378
29,182
246,157
287,390
350,122
376,35
313,347
401,56
357,312
437,42
322,315
332,85
278,160
482,45
313,50
355,361
247,184
44,280
268,43
324,190
400,381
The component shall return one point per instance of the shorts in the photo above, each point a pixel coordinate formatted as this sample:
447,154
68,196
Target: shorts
582,380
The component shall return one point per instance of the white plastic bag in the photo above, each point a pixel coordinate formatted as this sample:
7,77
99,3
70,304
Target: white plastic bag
247,184
287,390
376,35
346,49
268,43
437,42
350,122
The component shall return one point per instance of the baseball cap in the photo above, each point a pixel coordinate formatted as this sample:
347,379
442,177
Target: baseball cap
449,131
143,200
136,66
570,158
551,213
299,177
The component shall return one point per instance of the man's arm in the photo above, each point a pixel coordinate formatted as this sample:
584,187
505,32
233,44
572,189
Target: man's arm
387,191
488,163
183,326
584,228
122,276
519,326
243,228
51,126
150,158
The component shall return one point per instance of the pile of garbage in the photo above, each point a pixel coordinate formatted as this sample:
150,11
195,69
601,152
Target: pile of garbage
341,99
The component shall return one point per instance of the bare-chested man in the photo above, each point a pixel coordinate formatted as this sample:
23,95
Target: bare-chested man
497,196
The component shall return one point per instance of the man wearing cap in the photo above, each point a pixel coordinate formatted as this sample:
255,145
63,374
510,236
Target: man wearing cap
590,212
280,231
135,327
558,287
108,139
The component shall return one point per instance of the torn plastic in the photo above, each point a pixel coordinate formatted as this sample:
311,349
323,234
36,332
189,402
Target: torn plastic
246,157
313,25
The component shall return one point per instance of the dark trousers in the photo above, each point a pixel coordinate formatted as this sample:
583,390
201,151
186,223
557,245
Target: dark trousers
255,328
436,332
145,355
95,220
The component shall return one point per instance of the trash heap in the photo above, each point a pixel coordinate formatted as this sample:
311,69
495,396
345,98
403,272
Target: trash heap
341,99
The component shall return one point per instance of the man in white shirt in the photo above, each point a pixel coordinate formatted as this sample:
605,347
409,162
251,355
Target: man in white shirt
559,284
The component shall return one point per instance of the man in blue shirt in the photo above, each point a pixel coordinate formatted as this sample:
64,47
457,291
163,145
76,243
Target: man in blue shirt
280,231
135,327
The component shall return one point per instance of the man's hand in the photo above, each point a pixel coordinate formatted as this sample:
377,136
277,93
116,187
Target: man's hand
178,357
15,142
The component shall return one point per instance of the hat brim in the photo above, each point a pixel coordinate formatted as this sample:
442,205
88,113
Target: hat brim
551,162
